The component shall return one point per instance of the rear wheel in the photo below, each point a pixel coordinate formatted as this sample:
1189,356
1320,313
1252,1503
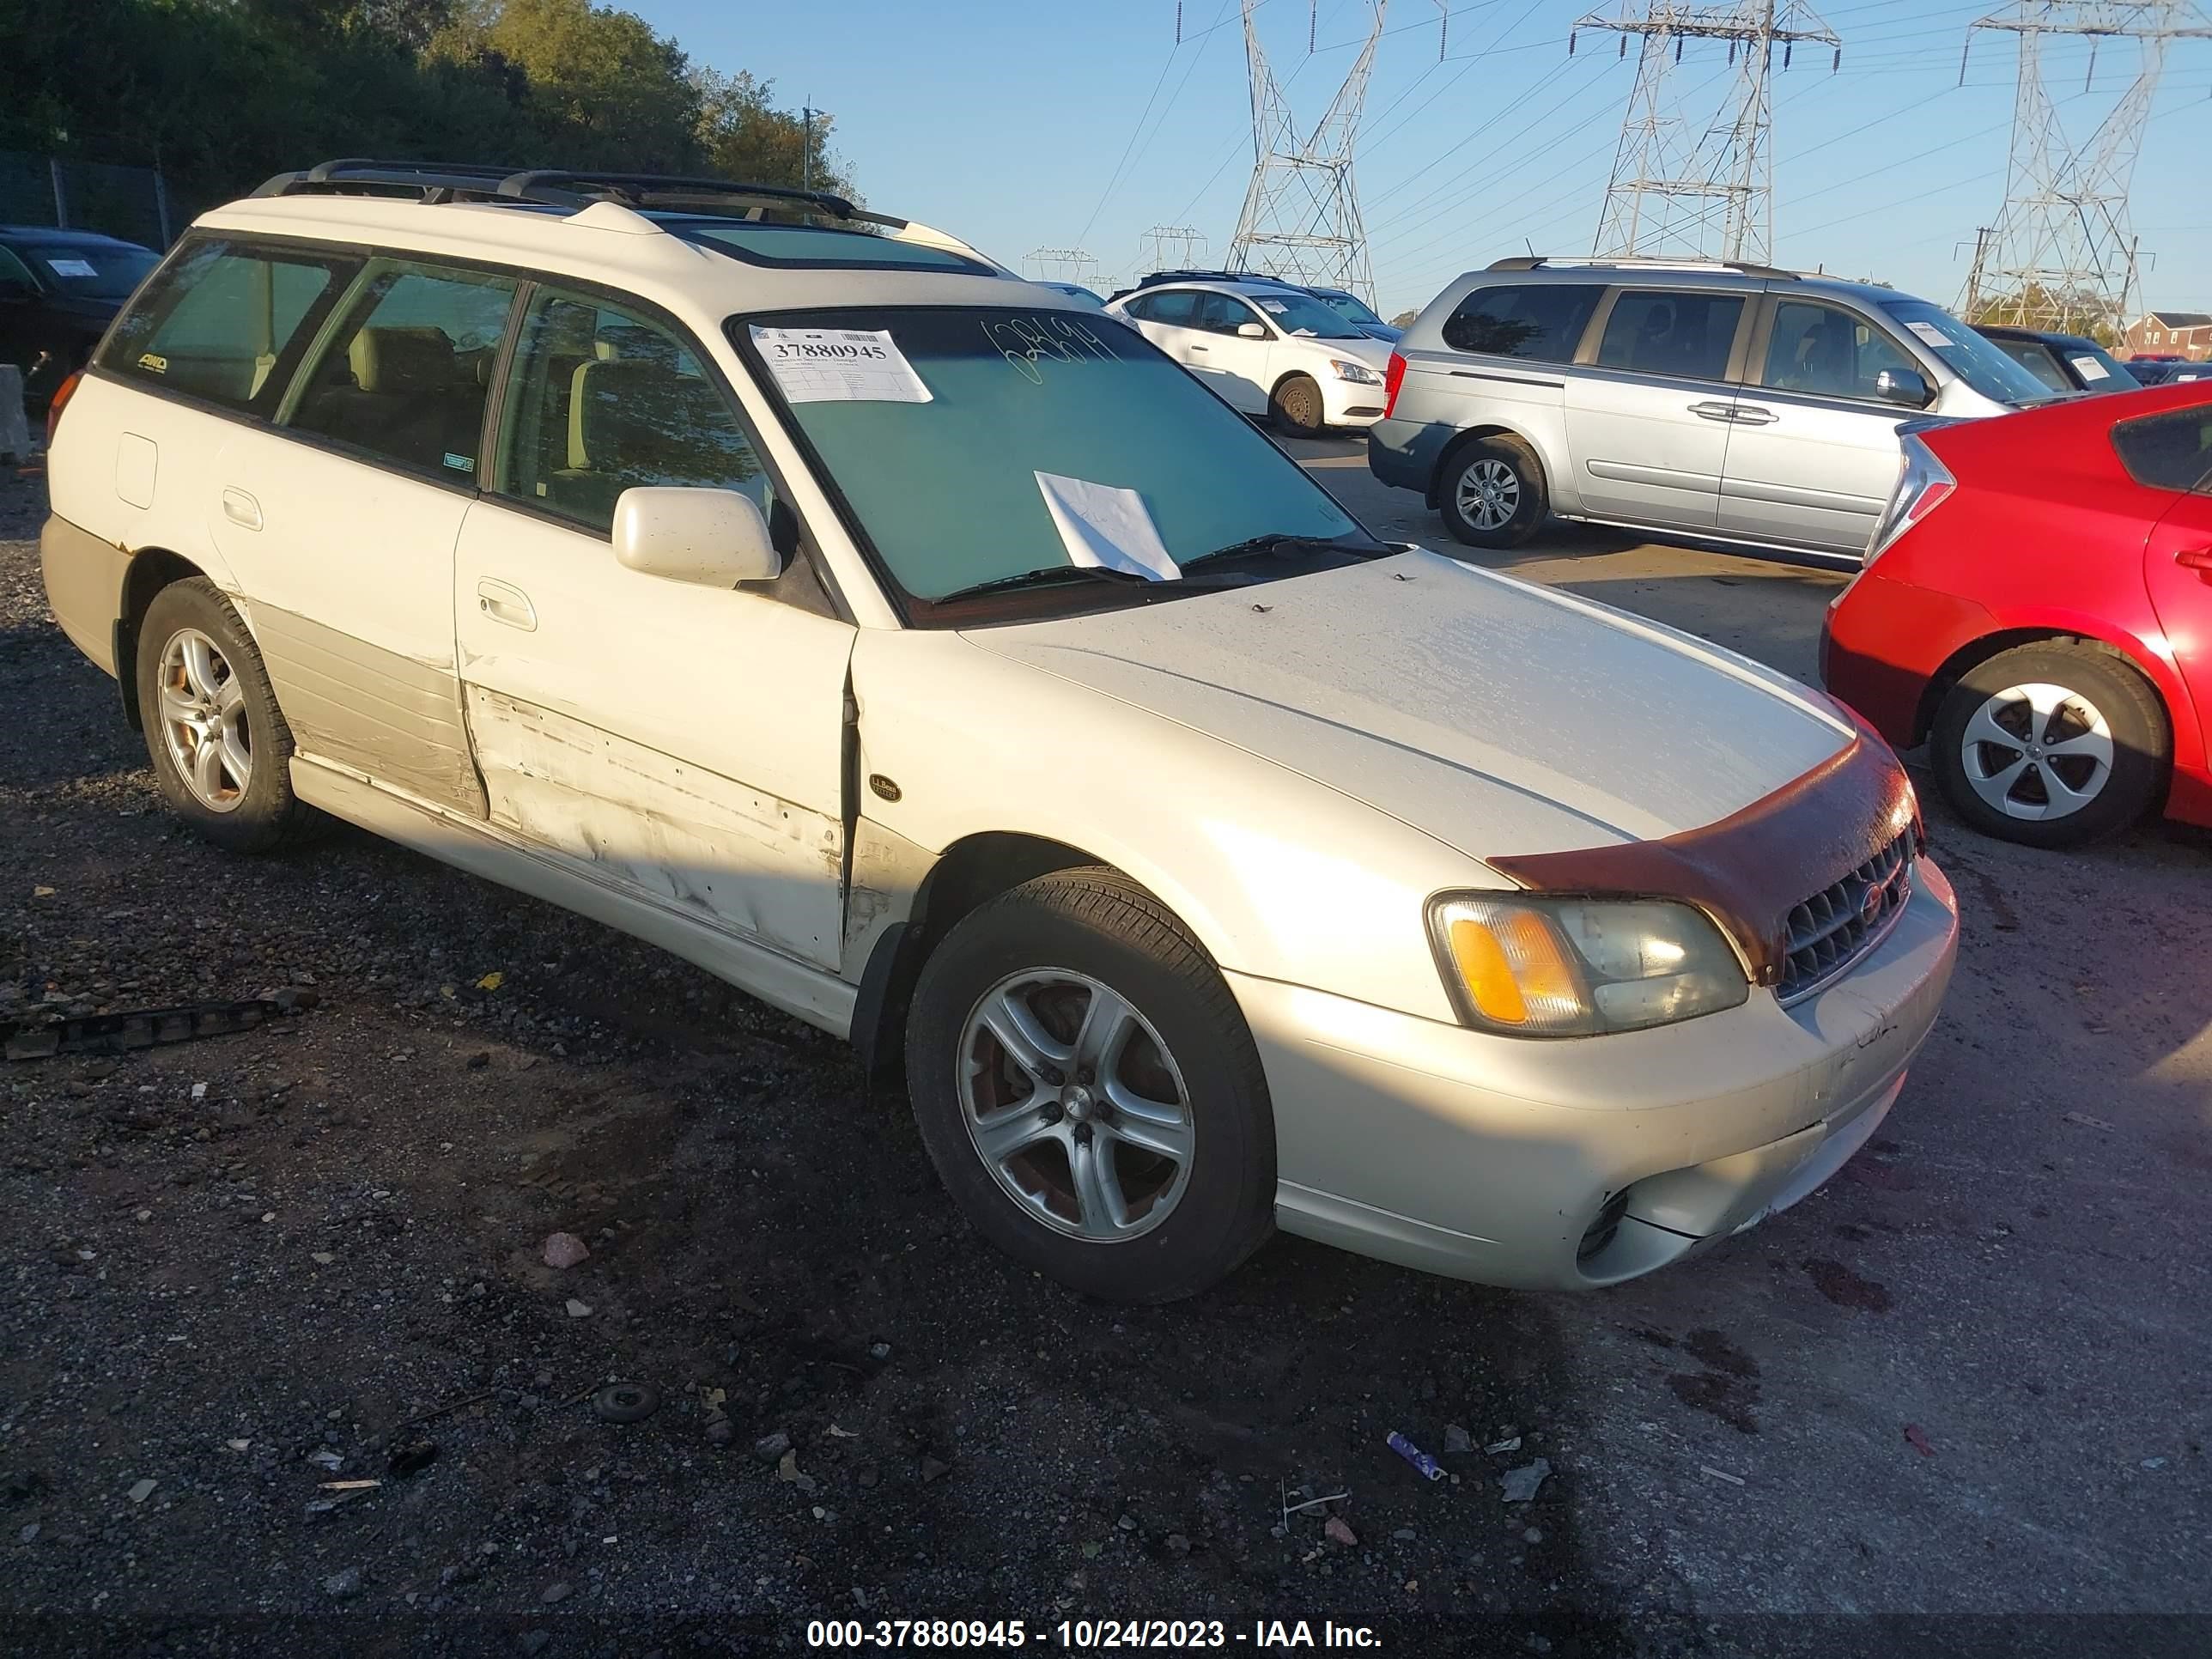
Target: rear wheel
2051,745
1493,492
1088,1091
1298,408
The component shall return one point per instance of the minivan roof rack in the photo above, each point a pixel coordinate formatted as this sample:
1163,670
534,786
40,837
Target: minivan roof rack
1541,261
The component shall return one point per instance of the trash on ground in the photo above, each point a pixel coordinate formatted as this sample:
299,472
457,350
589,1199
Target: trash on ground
137,1028
2086,1120
491,982
1521,1484
350,1486
1497,1447
626,1402
1429,1468
1916,1437
565,1250
1720,1474
143,1489
2153,1463
326,1459
1338,1533
1290,1509
578,1309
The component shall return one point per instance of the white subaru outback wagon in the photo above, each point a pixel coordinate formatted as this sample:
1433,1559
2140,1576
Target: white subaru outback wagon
797,589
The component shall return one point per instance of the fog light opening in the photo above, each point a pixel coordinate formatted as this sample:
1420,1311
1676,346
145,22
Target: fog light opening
1603,1227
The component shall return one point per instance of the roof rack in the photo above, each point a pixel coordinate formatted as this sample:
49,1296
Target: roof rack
1540,262
1215,277
442,182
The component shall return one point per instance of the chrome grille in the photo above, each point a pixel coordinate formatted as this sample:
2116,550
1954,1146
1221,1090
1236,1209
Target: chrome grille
1844,920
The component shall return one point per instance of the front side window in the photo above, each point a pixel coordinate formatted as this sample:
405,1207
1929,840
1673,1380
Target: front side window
14,273
226,322
1541,321
1221,313
405,375
1966,353
1830,353
2168,452
1660,332
603,398
1176,307
947,490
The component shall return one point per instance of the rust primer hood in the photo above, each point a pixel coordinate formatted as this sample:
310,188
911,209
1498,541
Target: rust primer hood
1748,871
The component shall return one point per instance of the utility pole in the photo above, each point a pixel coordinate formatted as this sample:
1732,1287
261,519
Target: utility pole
1300,217
2062,254
806,167
1687,186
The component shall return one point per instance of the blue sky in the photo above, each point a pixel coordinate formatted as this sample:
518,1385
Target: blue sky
1017,126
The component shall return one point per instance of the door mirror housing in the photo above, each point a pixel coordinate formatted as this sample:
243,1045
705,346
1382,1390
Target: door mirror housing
1908,386
1251,330
708,538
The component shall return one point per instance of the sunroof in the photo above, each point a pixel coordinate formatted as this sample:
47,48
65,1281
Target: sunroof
764,242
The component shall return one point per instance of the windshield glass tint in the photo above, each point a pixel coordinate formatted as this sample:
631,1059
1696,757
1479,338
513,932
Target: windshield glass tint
947,489
1302,314
1967,354
92,270
1348,305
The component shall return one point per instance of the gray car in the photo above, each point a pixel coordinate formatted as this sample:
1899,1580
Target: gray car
1732,402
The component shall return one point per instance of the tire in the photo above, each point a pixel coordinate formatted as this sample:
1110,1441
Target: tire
226,686
1296,406
1505,471
2103,720
1033,962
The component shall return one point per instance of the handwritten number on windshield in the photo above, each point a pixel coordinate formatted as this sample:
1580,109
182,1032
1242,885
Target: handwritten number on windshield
1030,343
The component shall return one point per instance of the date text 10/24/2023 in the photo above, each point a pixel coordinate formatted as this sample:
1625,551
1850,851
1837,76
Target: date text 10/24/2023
1090,1635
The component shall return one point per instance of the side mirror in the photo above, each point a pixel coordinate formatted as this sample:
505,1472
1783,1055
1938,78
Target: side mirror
709,538
1251,330
1908,386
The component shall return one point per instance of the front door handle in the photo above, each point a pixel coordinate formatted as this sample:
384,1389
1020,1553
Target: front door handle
2198,559
241,509
1713,411
1753,415
1200,348
503,604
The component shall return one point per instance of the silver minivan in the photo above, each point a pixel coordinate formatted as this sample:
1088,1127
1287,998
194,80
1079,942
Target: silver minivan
1732,402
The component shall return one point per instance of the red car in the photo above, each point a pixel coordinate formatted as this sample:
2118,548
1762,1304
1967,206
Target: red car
2037,607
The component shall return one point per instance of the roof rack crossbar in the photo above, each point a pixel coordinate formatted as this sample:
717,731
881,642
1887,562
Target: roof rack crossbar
443,181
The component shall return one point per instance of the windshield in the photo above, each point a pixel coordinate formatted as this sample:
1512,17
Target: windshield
1967,354
2087,353
1349,306
945,446
92,270
1295,312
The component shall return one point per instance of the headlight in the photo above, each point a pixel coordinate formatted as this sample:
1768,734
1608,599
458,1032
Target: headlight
1358,374
1543,967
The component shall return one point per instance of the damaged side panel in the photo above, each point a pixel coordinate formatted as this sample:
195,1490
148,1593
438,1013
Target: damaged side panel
735,857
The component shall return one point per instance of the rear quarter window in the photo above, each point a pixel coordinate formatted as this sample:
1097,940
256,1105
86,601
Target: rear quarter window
2172,450
1541,321
227,323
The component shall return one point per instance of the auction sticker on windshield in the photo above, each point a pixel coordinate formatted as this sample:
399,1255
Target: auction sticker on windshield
71,267
1929,334
2090,368
839,365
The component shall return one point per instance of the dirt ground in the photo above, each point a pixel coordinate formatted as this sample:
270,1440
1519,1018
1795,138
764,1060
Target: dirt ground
232,1270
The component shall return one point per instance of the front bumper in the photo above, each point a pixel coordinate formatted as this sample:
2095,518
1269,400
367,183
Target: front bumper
1349,403
1494,1158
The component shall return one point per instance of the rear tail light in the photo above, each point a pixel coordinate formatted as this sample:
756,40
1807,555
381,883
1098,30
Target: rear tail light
1392,378
1924,484
63,393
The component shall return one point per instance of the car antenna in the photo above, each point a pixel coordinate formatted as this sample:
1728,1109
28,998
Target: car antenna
1531,243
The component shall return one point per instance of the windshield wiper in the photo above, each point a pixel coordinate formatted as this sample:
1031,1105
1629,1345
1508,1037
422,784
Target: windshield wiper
1275,541
1050,576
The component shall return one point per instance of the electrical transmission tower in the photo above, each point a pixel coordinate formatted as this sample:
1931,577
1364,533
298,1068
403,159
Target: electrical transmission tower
1059,265
2062,253
1687,188
1173,248
1300,217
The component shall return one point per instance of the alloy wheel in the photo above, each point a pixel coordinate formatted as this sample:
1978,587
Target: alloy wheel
204,724
1489,494
2037,751
1075,1105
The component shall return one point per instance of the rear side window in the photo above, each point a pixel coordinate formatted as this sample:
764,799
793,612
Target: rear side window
2037,359
1174,307
1542,321
1662,332
403,378
227,322
2168,452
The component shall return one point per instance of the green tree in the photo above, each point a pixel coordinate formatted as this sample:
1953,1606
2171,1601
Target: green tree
742,135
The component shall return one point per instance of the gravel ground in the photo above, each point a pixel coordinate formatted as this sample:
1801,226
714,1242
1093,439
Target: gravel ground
235,1268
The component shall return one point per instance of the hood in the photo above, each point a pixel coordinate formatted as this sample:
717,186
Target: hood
1494,715
1384,332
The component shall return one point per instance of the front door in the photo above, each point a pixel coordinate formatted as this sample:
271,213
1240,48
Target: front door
1813,448
1236,367
1648,422
686,741
340,522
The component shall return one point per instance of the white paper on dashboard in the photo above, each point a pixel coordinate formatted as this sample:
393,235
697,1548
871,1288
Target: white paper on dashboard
1931,335
71,267
839,366
2090,368
1107,527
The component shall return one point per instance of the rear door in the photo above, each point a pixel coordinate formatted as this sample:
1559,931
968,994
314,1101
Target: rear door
1649,409
1813,447
1164,317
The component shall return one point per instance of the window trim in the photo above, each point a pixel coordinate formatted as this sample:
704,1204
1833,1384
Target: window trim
1763,338
1735,370
1574,355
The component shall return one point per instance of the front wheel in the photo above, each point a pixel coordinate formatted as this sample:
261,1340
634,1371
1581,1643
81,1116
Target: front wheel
1493,493
1089,1093
1299,409
2050,745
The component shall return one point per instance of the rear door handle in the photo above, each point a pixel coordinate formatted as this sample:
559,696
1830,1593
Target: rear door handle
1753,415
2198,559
1200,348
241,509
1713,412
503,604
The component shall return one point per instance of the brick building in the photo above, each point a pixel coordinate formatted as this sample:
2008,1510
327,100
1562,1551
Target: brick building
2171,334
